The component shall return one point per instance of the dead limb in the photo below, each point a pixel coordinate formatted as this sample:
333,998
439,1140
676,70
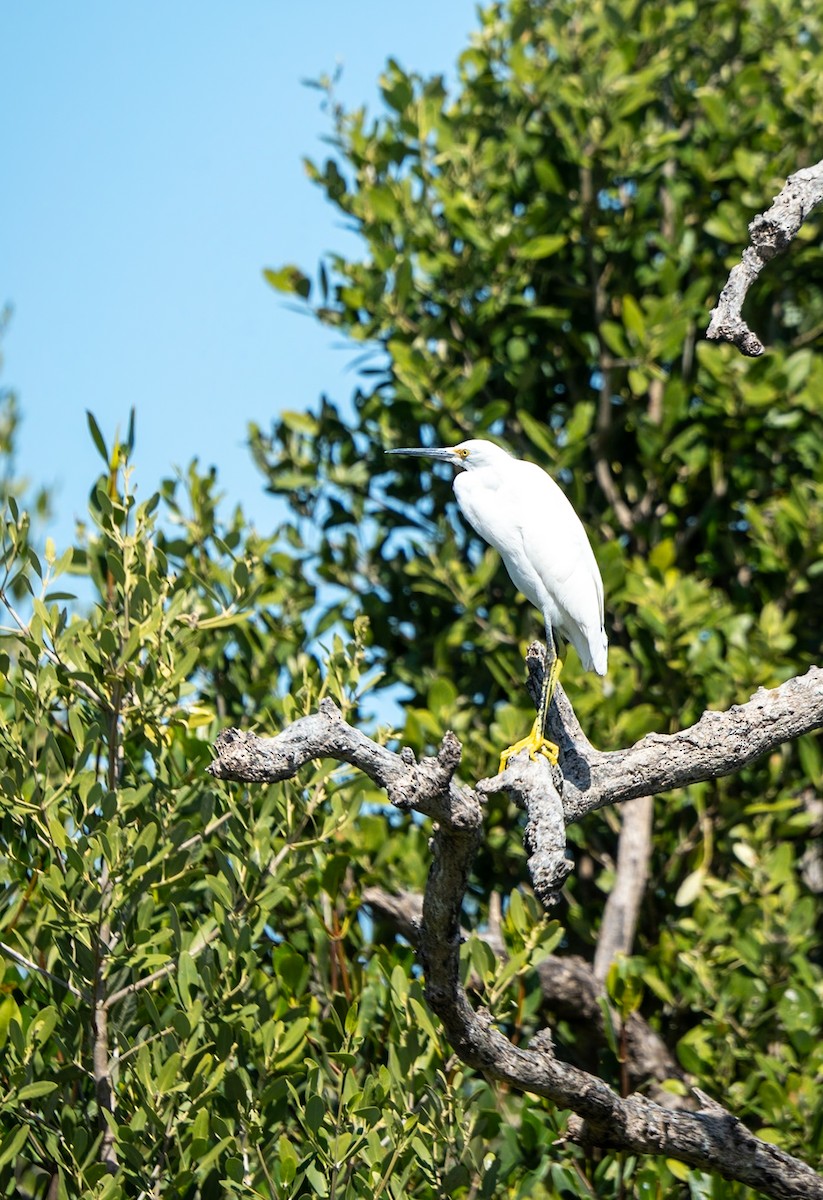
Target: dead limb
770,233
710,1139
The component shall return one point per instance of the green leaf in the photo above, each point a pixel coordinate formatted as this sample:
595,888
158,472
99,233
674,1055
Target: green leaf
31,1091
97,437
317,1180
288,279
287,1159
542,247
633,319
168,1074
690,888
315,1113
517,914
294,1036
9,1012
680,1170
187,976
12,1144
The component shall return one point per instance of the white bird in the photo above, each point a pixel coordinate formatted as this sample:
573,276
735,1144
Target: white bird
520,510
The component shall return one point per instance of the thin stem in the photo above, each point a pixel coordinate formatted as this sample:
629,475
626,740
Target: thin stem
33,966
204,833
106,1100
53,657
161,973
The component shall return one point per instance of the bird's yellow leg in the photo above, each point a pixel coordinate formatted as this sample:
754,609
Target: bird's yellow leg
537,743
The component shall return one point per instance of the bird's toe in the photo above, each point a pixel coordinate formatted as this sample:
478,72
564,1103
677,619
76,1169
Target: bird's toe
535,743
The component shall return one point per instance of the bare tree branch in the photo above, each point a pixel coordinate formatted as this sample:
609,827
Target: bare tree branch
710,1139
534,787
720,743
403,911
324,734
770,233
619,922
569,988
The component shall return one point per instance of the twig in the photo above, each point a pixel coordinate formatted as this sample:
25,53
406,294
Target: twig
161,973
205,833
101,1058
53,657
33,966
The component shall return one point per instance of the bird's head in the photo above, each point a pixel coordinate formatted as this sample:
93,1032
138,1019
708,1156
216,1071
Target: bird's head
468,456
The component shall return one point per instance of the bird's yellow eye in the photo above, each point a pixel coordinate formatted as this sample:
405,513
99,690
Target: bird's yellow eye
463,452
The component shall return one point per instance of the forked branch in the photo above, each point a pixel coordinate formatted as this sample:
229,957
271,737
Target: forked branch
711,1139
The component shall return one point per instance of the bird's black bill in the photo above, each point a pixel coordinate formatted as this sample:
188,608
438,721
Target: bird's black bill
435,452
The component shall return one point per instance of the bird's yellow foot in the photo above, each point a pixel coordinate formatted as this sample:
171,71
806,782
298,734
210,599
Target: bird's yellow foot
535,743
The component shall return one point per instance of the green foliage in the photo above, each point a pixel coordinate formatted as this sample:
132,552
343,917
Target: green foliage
258,1038
539,255
540,251
14,490
123,866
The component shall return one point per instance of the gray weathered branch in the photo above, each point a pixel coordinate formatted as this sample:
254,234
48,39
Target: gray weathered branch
719,743
428,787
569,988
770,233
617,929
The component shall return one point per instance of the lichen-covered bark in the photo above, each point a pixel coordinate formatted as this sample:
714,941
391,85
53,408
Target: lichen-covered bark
719,743
770,233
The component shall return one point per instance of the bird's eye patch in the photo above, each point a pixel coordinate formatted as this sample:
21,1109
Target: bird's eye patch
463,452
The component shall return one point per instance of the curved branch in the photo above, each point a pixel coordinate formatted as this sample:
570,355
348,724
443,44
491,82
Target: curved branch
770,233
428,786
569,987
710,1139
720,743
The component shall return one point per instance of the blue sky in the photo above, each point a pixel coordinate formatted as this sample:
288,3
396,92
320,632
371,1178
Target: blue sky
152,167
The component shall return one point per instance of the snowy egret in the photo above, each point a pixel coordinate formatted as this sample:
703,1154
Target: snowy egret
520,510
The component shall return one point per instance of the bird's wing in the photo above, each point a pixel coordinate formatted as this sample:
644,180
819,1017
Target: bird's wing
492,511
551,528
558,550
541,539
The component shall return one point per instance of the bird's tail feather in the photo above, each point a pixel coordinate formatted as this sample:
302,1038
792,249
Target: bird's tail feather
594,651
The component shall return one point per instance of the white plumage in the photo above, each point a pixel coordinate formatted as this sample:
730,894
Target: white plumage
520,510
